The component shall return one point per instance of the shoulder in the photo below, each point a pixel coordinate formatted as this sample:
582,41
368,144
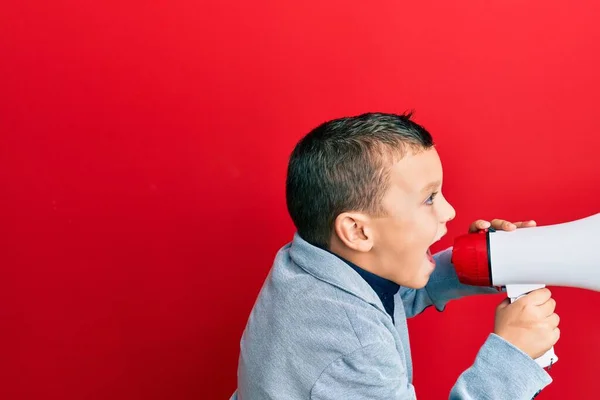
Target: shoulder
293,297
300,325
305,299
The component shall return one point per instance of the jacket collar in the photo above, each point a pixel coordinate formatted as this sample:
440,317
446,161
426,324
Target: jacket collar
329,268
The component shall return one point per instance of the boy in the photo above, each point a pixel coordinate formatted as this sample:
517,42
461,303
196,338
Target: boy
365,195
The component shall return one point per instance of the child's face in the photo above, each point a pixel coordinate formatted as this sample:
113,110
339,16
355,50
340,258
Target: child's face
416,218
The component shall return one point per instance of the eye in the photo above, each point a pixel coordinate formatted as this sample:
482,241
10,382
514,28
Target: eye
429,200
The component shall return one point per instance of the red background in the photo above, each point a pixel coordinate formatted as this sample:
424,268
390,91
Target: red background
143,148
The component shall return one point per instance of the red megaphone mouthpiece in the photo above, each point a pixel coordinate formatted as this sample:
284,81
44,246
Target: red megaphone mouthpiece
471,259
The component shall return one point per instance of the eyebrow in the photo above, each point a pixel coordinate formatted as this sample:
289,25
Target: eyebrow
431,186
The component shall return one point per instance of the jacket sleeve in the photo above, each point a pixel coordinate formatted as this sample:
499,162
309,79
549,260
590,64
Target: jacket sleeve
500,371
376,372
442,287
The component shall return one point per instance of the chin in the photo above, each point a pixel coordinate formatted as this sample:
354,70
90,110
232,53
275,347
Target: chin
417,284
420,276
421,281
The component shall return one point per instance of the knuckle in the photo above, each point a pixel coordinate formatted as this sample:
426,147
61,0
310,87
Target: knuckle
529,308
546,327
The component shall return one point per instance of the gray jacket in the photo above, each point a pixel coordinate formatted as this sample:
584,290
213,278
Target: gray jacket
318,331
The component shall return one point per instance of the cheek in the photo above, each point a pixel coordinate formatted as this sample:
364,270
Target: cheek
410,238
433,221
424,227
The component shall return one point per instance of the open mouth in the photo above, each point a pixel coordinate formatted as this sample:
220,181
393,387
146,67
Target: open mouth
429,256
428,253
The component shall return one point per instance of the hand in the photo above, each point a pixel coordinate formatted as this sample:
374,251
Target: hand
499,225
529,323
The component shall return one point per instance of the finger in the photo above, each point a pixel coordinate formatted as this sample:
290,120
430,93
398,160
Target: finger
548,307
553,320
504,303
478,225
538,297
503,225
556,332
525,224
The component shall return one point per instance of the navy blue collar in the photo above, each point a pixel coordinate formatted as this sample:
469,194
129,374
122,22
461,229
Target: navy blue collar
384,288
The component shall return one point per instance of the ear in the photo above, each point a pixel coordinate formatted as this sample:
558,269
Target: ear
354,231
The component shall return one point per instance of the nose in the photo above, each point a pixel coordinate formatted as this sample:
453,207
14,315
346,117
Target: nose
452,213
448,212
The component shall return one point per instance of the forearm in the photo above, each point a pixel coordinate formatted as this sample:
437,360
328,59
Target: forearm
500,371
377,372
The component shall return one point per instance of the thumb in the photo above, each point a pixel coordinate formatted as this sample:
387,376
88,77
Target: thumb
504,303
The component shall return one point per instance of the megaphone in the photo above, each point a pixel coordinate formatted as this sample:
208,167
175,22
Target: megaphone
524,260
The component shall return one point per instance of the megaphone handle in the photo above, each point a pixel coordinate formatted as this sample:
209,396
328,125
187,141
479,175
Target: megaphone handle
515,292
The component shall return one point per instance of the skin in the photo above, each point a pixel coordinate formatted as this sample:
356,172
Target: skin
396,246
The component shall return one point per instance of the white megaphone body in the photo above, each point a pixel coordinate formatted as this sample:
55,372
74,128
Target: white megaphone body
527,259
